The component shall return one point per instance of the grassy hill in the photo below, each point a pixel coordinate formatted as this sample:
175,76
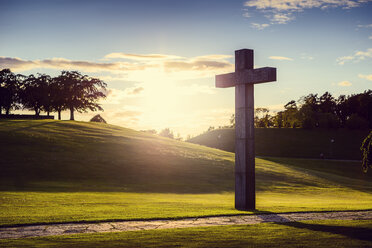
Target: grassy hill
63,153
62,171
289,142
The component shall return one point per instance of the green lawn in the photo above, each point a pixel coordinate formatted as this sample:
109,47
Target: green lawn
62,171
292,142
330,233
42,207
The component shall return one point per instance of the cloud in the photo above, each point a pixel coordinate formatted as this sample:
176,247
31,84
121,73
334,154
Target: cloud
281,11
197,89
141,56
259,26
113,96
205,65
342,60
213,57
306,56
116,96
275,108
128,116
365,26
370,37
134,91
195,65
356,57
117,77
279,58
281,18
344,84
368,77
18,64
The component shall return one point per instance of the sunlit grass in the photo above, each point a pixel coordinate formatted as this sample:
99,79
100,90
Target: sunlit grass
59,171
40,207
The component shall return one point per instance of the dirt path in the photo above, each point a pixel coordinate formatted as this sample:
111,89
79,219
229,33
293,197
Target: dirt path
120,226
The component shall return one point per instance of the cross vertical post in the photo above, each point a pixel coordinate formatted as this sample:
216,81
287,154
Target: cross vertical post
243,79
245,194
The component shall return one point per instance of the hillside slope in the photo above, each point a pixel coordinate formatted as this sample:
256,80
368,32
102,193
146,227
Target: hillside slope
289,142
99,155
62,171
63,155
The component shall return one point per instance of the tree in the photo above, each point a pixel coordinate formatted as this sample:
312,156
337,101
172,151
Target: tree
9,91
278,119
166,132
290,115
81,92
327,103
265,120
47,94
32,93
58,95
152,131
366,149
341,109
210,128
356,122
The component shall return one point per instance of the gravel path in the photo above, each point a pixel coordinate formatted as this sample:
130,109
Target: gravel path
121,226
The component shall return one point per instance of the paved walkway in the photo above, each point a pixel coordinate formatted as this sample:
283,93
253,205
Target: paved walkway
120,226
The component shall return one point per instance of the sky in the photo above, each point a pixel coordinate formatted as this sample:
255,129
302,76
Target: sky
159,58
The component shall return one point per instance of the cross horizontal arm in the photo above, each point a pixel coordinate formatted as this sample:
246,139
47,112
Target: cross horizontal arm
249,76
225,80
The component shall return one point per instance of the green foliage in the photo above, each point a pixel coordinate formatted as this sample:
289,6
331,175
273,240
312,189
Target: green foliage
292,142
366,149
313,111
71,90
356,122
328,120
81,92
9,91
36,94
166,132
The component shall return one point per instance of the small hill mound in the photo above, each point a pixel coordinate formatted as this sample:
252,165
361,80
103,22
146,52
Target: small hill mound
98,118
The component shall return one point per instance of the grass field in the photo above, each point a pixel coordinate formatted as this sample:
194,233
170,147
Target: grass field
62,171
289,142
298,234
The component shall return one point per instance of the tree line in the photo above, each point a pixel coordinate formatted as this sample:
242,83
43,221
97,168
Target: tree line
69,91
313,111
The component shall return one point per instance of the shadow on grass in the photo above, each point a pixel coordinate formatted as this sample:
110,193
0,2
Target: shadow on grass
360,233
32,126
346,174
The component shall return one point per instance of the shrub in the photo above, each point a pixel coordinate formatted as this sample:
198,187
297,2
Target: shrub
98,118
308,123
366,149
166,133
356,122
328,120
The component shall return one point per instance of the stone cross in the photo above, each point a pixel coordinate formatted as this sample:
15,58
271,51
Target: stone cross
243,80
